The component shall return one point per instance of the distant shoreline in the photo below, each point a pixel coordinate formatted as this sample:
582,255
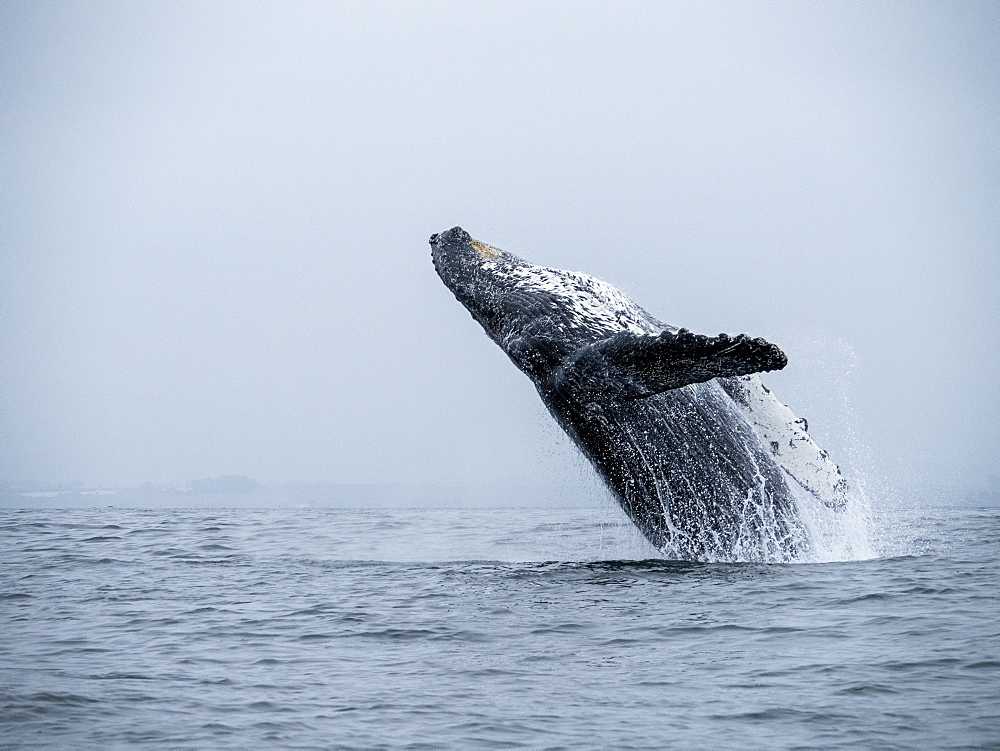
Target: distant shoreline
356,496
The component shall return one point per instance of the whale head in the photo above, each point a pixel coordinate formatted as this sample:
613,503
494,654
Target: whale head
478,274
536,314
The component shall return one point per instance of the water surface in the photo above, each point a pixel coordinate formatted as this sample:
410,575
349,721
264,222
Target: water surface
493,628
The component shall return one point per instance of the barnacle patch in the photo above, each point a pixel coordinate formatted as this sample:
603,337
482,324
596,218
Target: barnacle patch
486,251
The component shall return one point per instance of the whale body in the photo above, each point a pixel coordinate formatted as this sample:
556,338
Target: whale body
700,455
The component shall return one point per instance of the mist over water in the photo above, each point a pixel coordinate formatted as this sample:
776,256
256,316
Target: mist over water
215,224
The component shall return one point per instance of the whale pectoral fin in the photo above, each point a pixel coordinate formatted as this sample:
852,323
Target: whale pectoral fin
633,366
671,360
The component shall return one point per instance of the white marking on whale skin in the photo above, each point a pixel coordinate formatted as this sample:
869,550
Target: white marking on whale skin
784,435
590,300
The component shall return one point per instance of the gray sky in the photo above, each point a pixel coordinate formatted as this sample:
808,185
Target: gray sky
214,221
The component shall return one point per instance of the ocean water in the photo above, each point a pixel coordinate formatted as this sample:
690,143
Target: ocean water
485,628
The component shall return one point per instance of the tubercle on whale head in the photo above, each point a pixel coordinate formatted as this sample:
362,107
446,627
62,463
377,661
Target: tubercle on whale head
473,271
457,245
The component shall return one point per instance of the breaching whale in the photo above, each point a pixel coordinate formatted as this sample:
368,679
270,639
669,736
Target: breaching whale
700,455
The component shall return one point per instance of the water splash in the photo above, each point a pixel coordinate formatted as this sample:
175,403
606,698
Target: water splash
813,532
837,534
863,529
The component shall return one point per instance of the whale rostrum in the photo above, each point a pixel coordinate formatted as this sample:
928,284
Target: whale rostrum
702,457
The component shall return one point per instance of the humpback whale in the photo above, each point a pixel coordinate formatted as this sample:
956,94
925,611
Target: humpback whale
701,456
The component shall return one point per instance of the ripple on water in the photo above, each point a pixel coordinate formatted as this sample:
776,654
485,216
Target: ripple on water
243,629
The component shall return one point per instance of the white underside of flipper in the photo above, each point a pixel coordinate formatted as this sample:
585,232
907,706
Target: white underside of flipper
785,436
